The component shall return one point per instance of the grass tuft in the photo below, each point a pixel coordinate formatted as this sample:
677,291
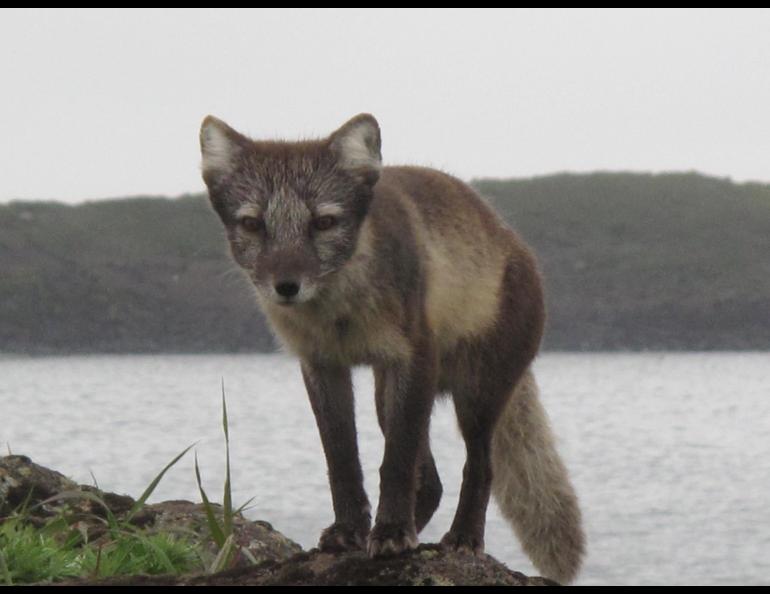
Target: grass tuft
60,550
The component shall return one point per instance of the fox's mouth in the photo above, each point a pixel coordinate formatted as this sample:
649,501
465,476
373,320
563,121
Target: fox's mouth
292,301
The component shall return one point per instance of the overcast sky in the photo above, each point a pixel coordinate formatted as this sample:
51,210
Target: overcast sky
103,103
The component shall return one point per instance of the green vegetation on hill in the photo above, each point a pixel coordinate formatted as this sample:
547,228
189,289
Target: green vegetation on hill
673,261
133,275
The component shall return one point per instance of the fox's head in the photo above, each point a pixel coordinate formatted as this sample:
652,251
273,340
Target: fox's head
292,210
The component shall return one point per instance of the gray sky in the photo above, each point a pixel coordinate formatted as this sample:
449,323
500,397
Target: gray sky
102,103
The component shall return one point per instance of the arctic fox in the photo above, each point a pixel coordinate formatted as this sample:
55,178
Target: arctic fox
407,270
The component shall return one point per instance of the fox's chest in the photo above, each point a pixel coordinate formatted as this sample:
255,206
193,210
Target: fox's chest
340,337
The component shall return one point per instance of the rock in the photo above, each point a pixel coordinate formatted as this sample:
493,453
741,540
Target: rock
280,561
259,538
26,484
43,493
428,565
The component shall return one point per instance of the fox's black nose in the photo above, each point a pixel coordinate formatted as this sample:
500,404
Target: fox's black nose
287,289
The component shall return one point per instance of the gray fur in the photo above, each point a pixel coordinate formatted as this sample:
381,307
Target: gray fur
531,487
421,280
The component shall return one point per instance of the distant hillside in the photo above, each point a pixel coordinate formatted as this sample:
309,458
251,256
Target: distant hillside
675,261
133,275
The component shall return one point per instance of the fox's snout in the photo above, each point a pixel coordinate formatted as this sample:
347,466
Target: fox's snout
287,274
287,289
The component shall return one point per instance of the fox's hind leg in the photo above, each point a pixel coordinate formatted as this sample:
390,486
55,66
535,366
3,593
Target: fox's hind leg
429,489
484,373
478,407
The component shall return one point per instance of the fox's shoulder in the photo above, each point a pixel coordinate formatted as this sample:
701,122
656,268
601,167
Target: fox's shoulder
443,203
463,247
416,179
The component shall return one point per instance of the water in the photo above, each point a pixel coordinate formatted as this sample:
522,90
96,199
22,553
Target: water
670,453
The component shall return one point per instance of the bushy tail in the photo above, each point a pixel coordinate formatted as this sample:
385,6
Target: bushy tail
532,488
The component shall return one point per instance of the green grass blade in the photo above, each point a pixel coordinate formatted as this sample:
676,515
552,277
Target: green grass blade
151,487
160,554
76,494
224,556
227,498
97,565
216,531
245,506
248,554
224,413
4,571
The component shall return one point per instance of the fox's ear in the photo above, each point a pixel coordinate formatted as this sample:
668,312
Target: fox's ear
220,148
357,147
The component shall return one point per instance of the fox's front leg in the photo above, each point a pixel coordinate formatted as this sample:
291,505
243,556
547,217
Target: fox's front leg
409,391
331,396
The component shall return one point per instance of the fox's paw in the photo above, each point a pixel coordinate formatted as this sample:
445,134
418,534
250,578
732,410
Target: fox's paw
390,539
343,537
462,542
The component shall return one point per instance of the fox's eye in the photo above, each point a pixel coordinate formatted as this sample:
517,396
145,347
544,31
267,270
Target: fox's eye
252,224
323,223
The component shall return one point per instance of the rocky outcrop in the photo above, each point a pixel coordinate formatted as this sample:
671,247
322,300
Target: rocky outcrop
428,565
45,494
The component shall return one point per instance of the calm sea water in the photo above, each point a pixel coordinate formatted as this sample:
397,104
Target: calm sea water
670,453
